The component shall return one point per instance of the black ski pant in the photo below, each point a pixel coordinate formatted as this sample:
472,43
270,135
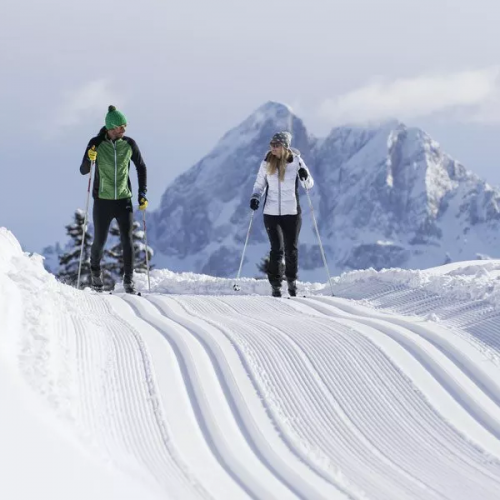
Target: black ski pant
103,213
283,232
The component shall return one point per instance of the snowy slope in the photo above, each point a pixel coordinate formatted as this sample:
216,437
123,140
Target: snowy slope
389,390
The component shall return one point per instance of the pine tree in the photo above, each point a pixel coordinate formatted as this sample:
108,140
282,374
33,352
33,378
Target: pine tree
113,259
69,261
115,254
263,266
140,249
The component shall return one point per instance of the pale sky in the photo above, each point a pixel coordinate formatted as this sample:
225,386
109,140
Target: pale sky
184,73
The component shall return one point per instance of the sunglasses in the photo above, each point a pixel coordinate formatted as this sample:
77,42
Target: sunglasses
275,144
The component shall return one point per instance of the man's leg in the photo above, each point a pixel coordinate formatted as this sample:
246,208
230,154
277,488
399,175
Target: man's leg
102,216
125,218
291,225
275,234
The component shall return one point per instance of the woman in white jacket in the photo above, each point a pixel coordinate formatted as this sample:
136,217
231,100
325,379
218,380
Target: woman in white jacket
278,180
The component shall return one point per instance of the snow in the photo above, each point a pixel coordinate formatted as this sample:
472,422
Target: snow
468,281
389,390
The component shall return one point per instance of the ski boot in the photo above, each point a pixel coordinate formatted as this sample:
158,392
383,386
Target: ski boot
292,288
128,284
96,280
276,291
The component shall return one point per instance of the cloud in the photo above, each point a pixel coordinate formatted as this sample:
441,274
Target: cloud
88,101
467,96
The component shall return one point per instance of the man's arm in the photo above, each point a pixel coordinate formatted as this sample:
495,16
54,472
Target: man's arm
142,174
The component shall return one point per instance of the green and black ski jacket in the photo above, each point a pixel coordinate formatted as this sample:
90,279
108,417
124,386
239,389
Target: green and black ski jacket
111,178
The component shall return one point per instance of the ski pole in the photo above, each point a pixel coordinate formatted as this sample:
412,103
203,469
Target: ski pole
236,287
147,248
319,240
92,164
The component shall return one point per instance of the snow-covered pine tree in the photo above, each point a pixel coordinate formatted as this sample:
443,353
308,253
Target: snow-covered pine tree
69,261
114,263
263,266
114,255
140,250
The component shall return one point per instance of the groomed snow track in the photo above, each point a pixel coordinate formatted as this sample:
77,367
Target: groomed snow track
249,397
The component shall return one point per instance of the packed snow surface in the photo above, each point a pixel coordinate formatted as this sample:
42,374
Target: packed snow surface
389,390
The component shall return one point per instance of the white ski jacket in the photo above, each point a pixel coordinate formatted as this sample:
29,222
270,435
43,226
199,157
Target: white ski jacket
281,198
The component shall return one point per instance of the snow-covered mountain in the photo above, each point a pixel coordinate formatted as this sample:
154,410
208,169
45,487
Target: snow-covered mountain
204,215
385,196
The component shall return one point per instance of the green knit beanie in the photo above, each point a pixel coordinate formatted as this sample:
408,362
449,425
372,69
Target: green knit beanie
114,118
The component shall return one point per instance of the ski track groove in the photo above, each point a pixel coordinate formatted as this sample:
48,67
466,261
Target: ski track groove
134,426
215,351
322,364
269,368
374,463
492,474
485,384
323,409
464,466
191,385
124,347
478,319
189,421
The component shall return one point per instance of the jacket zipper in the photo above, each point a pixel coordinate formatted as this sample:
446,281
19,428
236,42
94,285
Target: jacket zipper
116,171
279,190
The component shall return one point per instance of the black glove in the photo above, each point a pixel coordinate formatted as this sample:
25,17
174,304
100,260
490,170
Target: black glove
303,175
254,203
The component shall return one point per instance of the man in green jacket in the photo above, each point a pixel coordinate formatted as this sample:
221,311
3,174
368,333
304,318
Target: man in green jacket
112,192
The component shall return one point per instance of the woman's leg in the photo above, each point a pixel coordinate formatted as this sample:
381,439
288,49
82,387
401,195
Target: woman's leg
291,225
275,234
